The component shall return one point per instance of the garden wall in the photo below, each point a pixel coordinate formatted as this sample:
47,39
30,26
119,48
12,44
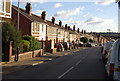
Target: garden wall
27,55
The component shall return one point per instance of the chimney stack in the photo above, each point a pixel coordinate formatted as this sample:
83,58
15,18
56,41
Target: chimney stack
78,30
82,31
66,27
53,20
28,8
43,15
74,28
60,23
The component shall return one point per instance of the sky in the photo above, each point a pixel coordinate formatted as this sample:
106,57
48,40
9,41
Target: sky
95,16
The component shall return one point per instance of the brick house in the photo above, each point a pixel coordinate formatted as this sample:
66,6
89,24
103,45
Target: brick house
5,10
29,24
67,34
55,31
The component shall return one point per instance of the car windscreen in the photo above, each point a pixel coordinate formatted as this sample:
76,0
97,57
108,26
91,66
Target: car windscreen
119,54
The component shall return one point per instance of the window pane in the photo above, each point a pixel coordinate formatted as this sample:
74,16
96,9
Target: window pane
8,6
1,5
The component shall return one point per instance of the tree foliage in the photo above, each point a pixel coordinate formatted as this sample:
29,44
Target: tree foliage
90,40
34,44
84,39
10,33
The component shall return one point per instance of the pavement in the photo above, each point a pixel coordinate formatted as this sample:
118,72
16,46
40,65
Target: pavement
19,65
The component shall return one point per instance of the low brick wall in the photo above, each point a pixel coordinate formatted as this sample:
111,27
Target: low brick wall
27,55
54,50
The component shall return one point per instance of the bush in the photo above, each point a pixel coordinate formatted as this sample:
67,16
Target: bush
34,44
38,45
90,40
26,45
84,39
10,33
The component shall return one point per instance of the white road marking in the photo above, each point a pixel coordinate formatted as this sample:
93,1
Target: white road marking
37,63
65,73
78,62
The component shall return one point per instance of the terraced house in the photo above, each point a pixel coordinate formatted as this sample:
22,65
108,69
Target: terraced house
5,10
29,24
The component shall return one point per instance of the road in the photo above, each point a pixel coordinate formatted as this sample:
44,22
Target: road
85,64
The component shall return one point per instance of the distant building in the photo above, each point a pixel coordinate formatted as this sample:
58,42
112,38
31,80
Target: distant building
5,10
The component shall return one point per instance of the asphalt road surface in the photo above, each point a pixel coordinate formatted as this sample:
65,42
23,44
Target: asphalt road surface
85,64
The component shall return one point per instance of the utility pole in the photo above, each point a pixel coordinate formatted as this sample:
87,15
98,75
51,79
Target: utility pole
17,55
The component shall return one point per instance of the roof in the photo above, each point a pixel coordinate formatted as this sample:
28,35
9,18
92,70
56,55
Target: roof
31,17
73,32
56,25
34,17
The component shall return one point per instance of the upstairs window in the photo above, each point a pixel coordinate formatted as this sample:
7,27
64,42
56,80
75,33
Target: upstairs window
1,5
42,27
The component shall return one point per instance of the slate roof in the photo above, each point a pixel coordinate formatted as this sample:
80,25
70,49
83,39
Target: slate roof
33,17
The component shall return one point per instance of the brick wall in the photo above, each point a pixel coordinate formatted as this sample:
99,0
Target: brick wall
27,55
24,23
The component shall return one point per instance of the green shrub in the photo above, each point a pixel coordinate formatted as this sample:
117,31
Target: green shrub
26,45
38,45
84,39
90,40
10,33
34,44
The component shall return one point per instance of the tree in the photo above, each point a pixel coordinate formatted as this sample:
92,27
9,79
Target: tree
10,33
90,40
34,44
84,39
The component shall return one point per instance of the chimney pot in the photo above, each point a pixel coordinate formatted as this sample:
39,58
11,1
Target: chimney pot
74,28
53,20
78,30
28,8
43,15
66,27
60,23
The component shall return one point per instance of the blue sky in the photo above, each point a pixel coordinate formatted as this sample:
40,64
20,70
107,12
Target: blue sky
90,16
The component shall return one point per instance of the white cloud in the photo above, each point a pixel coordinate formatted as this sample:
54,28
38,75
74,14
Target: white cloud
86,15
39,1
38,11
94,20
105,2
98,21
57,5
68,13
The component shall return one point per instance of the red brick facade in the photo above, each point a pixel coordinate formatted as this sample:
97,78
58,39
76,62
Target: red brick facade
24,22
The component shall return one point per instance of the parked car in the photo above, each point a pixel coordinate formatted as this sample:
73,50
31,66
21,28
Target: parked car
113,63
88,45
66,45
81,44
59,46
71,46
93,44
106,49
